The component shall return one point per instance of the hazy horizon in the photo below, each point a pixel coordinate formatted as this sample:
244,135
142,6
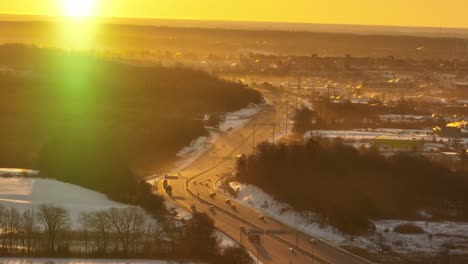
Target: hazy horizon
258,25
429,13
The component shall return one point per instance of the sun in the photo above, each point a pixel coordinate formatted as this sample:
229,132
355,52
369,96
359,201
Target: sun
78,9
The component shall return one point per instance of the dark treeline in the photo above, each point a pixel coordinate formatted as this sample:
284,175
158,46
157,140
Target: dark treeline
100,124
346,115
348,187
229,41
116,232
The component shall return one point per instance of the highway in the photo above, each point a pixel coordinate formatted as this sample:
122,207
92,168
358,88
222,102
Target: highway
198,181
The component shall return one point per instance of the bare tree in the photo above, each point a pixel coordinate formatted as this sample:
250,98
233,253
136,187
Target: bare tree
3,227
100,224
12,223
28,228
54,220
155,232
85,224
128,223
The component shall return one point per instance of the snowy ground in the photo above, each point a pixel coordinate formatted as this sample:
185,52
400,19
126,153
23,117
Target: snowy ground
364,134
307,104
438,234
225,241
238,119
25,193
192,152
81,261
17,172
199,146
179,213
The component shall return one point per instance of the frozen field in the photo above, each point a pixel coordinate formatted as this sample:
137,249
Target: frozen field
25,193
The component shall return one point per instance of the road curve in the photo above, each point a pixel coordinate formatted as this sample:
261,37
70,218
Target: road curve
202,174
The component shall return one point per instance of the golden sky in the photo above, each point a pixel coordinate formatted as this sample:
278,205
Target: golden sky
436,13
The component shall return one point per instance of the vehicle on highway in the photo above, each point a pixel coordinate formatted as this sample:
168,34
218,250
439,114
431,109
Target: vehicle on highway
261,217
292,250
212,209
313,241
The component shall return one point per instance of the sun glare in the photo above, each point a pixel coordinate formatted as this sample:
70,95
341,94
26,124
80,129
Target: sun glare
78,9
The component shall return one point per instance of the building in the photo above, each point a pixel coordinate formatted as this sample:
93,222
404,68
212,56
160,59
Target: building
398,143
460,88
453,130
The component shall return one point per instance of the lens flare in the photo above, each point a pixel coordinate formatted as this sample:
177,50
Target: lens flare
79,9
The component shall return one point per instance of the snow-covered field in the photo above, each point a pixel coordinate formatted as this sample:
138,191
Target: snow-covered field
25,193
81,261
437,235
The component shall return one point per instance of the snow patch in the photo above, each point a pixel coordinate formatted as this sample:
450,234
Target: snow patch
224,240
199,146
196,149
179,213
18,172
255,197
236,120
438,235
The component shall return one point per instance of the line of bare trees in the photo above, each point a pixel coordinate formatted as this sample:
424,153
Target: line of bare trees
49,231
116,232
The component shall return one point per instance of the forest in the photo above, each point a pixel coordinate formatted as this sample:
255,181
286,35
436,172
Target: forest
348,187
102,124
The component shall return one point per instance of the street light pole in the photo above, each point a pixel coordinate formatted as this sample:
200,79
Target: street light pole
274,125
287,115
297,239
213,155
258,255
253,138
241,231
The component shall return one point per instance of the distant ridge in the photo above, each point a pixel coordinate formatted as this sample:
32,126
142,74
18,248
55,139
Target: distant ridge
274,26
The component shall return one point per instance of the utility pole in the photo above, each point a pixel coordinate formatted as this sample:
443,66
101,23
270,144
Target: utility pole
253,138
213,156
258,255
297,239
242,228
299,81
287,115
297,100
274,125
